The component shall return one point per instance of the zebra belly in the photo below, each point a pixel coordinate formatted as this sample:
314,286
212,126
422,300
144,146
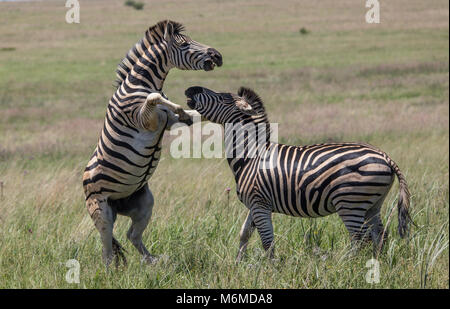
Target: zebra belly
124,182
117,171
341,195
317,180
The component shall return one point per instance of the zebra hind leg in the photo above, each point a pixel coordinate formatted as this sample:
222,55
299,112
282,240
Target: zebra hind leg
377,231
246,232
139,208
103,217
379,235
354,219
118,252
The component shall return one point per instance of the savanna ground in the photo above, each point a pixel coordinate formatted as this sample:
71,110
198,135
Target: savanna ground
343,80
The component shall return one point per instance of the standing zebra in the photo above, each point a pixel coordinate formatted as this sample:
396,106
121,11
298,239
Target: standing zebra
351,179
129,147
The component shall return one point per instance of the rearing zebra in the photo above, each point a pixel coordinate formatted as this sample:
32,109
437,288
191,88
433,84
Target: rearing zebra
351,179
129,147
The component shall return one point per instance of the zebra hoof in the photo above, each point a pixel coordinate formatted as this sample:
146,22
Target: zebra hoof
150,260
239,258
153,259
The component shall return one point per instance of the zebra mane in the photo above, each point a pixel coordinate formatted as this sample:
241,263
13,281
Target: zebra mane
161,26
154,32
254,100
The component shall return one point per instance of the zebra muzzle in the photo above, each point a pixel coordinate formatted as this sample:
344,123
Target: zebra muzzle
215,59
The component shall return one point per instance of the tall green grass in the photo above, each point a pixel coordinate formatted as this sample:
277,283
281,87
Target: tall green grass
344,80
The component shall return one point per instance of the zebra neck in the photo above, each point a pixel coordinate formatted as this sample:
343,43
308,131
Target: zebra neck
145,67
147,76
242,145
236,165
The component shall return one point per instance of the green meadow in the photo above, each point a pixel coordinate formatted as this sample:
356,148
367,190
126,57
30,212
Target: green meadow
340,79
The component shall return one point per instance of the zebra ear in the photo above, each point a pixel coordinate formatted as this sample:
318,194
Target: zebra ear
252,99
169,31
244,107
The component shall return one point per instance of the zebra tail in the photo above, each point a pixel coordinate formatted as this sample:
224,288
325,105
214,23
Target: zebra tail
404,218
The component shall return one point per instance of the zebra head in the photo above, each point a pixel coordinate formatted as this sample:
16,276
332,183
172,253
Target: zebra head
187,54
226,107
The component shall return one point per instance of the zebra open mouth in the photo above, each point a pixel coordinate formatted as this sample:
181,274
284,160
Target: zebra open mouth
215,59
190,103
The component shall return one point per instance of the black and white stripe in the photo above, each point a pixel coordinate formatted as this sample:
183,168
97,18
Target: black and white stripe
129,147
351,179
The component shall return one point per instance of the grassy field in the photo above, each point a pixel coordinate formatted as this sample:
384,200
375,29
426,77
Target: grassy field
344,80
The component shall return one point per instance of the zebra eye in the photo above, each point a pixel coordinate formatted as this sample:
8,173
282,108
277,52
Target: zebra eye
184,44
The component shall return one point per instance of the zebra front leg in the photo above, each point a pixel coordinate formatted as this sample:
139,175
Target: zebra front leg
103,217
148,115
246,232
262,218
156,98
